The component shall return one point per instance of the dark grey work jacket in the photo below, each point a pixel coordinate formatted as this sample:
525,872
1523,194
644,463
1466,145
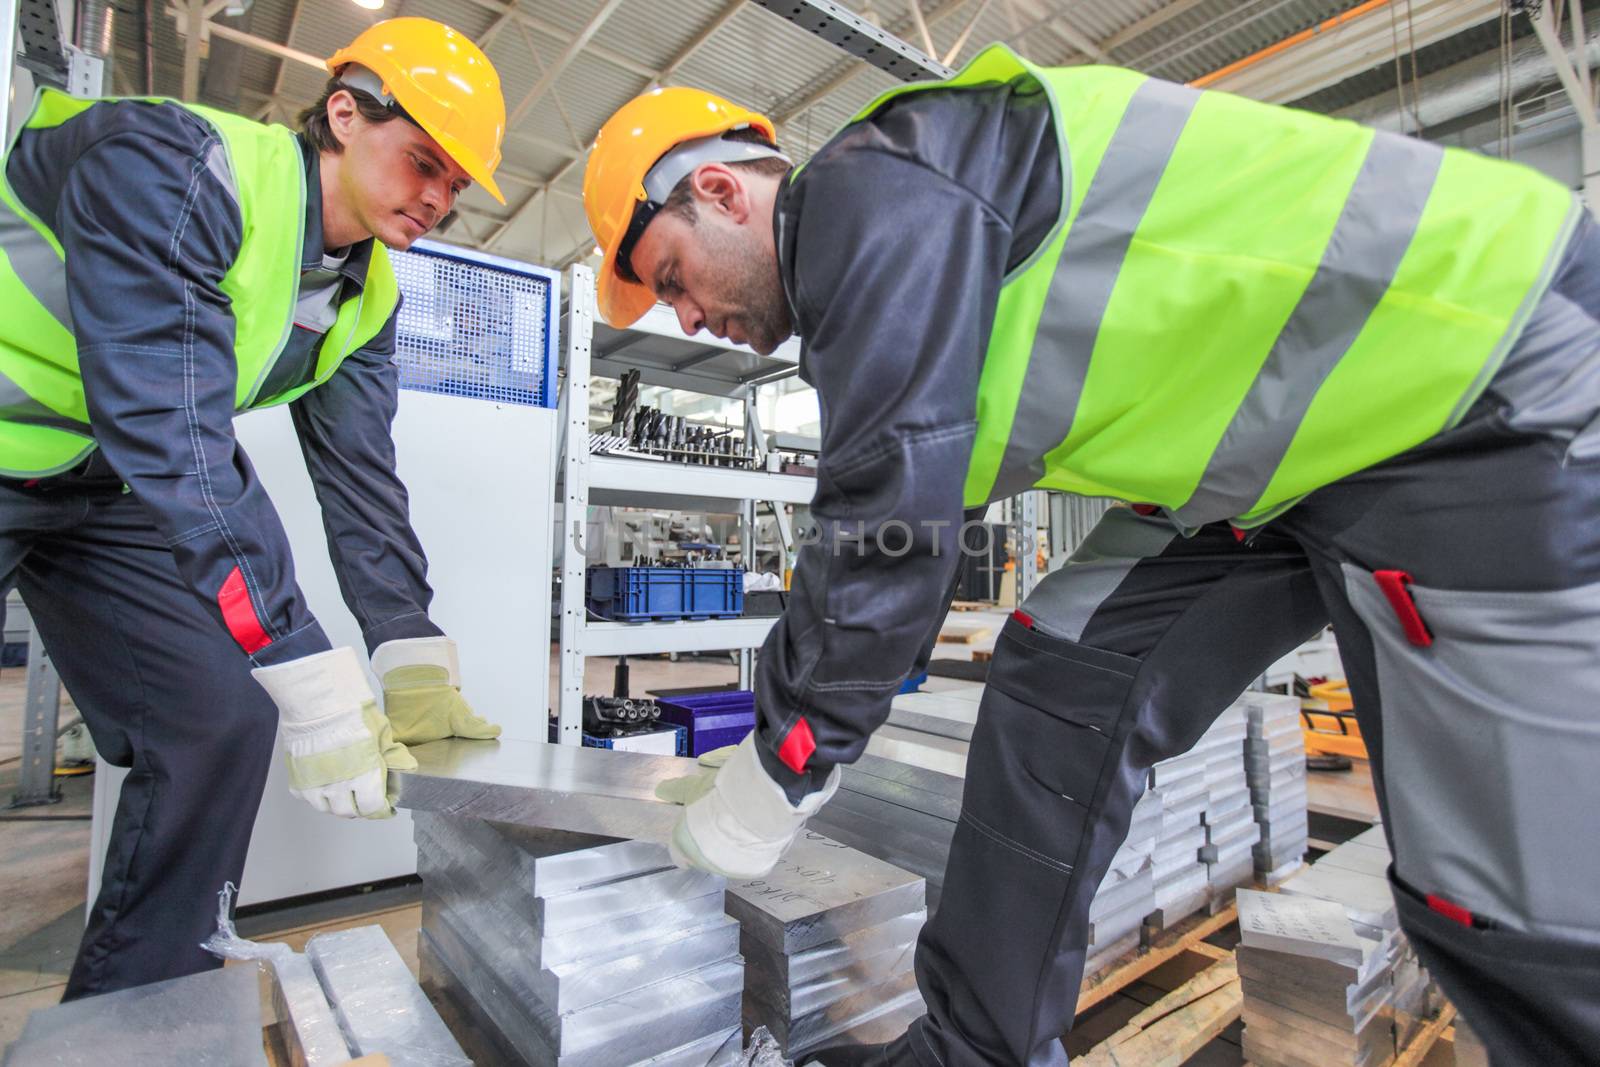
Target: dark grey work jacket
893,242
124,185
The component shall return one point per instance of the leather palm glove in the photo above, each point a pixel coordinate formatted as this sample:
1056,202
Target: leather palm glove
422,691
338,745
736,822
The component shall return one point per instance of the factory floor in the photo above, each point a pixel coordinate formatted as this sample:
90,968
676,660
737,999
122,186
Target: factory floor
44,863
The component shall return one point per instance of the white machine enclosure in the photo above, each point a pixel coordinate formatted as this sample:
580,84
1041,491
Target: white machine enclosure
481,477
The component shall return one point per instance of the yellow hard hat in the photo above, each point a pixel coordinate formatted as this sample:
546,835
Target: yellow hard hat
443,82
684,123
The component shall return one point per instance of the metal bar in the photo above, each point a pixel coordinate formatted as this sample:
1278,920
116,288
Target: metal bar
607,55
688,50
922,27
1154,20
1580,46
8,27
538,61
1544,27
575,501
553,787
36,783
193,18
261,44
860,38
961,41
563,61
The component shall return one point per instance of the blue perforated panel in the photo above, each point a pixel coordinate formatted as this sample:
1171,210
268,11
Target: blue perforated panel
476,326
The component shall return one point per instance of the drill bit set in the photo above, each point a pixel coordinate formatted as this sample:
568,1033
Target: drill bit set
653,432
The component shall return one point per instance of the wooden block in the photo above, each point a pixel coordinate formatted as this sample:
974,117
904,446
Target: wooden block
982,655
963,633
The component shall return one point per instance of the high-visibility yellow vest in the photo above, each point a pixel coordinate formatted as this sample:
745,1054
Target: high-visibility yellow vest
1241,303
44,423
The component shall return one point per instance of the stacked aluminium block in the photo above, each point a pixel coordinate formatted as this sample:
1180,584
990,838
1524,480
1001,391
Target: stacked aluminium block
828,939
1328,977
561,952
1231,830
1126,895
1275,761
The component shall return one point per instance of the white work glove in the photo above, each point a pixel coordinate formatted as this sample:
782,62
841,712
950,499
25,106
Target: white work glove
421,679
338,745
736,822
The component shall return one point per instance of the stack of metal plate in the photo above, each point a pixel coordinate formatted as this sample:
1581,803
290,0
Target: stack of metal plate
1127,893
1316,992
566,950
1182,883
1231,830
828,939
1326,968
1275,763
379,1005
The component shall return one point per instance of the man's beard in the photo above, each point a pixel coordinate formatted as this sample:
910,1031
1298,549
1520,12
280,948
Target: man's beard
748,274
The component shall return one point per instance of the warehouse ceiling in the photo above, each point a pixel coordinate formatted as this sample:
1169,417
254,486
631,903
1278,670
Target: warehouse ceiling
567,64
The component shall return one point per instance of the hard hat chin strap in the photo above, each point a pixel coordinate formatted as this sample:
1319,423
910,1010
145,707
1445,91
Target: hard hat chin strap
671,169
681,161
355,76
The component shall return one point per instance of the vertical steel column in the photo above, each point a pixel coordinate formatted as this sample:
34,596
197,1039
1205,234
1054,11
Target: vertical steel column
747,521
8,27
36,784
575,503
1025,512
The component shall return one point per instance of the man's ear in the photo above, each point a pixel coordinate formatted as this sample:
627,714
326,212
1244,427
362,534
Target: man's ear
719,189
343,116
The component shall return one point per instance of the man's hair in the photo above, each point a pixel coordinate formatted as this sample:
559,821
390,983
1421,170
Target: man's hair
314,119
680,201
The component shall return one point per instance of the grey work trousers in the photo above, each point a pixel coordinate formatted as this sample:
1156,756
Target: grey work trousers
1477,688
164,692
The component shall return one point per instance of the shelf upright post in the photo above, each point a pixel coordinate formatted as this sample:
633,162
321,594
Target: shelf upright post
575,503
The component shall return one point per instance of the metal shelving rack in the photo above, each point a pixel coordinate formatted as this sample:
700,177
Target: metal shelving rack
664,356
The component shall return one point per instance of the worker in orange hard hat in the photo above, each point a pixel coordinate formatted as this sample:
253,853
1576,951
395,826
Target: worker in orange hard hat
167,266
1335,371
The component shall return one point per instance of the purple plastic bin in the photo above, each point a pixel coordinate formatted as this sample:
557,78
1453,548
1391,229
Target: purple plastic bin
712,719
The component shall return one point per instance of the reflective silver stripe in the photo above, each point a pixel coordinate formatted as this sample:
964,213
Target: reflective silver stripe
1066,601
1091,259
16,406
1374,230
221,168
35,263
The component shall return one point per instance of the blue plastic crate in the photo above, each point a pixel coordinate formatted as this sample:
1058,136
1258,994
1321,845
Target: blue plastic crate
637,594
476,325
680,742
714,719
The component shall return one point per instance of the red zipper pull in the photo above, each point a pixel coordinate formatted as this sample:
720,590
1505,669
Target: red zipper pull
1395,587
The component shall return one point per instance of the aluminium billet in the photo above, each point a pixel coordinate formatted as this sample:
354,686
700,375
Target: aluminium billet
811,1030
310,1028
795,1002
213,1017
573,986
831,957
379,1005
545,863
901,795
643,1023
820,891
484,909
488,1044
557,787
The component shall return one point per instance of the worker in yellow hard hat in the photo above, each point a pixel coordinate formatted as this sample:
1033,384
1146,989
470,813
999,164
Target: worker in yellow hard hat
1340,376
167,266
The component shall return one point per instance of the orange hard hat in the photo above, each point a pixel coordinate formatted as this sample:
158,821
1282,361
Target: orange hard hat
629,146
443,82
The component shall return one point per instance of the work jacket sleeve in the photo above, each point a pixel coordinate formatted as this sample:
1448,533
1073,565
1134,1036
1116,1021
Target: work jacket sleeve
155,346
344,427
891,269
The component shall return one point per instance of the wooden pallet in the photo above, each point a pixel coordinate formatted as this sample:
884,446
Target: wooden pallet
964,633
1176,1027
1187,936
